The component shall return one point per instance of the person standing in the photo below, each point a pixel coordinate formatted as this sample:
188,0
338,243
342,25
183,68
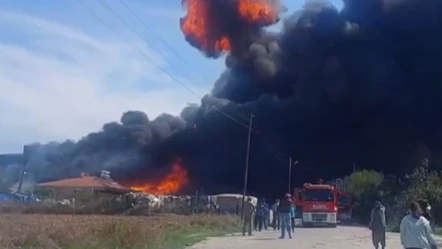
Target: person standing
416,232
284,215
292,217
249,210
275,221
426,211
260,215
266,214
378,225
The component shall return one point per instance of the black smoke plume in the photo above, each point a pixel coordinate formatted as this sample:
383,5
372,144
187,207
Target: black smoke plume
335,88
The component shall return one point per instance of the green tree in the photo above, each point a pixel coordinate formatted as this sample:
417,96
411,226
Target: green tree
360,183
365,186
427,185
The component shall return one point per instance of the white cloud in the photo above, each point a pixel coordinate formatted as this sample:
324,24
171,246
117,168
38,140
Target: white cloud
58,82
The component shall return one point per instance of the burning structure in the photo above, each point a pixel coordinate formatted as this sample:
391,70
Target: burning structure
334,88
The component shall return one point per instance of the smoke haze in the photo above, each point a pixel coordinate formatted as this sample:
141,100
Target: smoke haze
334,88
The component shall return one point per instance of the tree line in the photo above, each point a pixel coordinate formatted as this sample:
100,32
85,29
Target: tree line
395,193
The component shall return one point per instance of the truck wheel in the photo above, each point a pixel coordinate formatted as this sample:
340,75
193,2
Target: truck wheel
306,224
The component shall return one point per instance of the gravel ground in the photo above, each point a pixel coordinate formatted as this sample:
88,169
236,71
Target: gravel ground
304,238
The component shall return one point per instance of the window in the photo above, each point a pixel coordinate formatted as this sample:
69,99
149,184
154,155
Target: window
318,195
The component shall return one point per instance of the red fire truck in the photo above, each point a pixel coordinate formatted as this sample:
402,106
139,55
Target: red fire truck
345,207
319,204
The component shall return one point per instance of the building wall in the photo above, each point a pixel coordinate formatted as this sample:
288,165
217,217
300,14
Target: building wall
67,193
81,195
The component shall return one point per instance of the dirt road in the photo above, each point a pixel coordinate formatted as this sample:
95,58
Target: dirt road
304,238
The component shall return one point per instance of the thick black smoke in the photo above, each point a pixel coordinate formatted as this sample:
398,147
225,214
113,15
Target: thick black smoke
361,86
124,148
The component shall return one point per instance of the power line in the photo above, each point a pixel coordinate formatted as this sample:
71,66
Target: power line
246,168
246,119
118,16
272,150
156,35
271,146
152,61
102,2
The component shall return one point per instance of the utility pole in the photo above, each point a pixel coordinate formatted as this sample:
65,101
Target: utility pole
23,167
22,175
246,169
290,174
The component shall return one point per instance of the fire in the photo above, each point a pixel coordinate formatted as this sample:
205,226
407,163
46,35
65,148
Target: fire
264,12
196,25
172,183
208,24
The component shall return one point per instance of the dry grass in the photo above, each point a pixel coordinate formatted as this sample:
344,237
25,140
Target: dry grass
40,231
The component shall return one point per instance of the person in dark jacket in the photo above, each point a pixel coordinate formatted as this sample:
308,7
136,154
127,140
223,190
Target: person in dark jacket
260,215
249,211
378,225
275,221
284,211
266,215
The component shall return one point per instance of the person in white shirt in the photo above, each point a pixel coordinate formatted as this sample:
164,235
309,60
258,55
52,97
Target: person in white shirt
415,229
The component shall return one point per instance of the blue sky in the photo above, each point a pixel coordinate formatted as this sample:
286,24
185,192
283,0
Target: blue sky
63,73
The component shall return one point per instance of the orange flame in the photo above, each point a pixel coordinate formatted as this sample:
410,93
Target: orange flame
196,24
201,26
174,182
264,12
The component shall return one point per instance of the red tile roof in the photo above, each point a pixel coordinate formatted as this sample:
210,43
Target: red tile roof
86,182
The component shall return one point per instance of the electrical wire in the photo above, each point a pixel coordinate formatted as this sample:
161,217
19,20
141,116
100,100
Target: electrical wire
153,62
118,16
152,31
147,26
275,152
271,146
275,155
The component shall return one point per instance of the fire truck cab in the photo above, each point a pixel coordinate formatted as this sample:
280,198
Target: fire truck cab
319,204
345,207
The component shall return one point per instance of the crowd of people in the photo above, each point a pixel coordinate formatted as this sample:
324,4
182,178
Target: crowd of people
415,227
283,216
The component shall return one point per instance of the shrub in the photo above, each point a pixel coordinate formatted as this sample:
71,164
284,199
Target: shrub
365,187
368,185
426,184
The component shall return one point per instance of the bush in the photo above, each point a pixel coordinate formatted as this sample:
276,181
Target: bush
366,186
427,185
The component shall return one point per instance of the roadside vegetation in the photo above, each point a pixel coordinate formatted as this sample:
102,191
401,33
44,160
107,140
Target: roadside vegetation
395,193
28,231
